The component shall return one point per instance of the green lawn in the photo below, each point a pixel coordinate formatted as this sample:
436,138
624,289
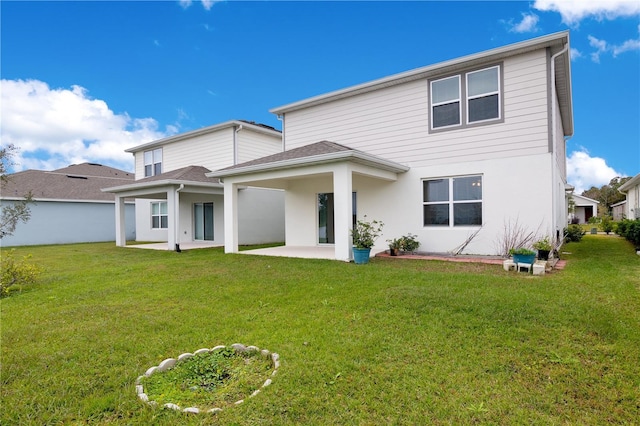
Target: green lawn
396,341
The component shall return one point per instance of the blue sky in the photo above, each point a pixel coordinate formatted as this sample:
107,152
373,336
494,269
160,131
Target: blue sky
83,81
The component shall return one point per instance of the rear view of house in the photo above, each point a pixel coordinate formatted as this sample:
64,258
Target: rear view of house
467,147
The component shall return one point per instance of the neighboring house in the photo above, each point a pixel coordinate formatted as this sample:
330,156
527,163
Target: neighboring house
631,189
69,205
466,146
177,203
619,210
584,208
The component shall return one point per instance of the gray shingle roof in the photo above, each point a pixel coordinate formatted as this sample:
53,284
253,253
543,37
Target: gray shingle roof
312,150
76,182
187,174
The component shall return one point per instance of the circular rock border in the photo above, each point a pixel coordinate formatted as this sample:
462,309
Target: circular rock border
171,362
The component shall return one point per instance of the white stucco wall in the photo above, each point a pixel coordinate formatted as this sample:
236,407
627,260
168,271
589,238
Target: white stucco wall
514,189
261,217
58,222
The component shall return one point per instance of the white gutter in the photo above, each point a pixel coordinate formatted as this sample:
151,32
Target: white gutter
316,159
554,100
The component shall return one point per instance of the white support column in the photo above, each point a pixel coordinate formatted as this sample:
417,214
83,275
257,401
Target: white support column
230,217
121,236
171,219
343,211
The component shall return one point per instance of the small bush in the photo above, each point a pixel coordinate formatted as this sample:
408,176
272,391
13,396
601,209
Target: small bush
630,229
573,233
606,224
16,272
594,220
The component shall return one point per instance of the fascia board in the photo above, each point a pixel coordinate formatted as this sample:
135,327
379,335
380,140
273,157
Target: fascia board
629,184
62,200
425,72
359,157
159,183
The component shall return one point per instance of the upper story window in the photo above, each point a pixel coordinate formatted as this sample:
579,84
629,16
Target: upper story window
153,162
454,201
481,92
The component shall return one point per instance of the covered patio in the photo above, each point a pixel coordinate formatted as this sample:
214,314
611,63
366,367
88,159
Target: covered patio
304,174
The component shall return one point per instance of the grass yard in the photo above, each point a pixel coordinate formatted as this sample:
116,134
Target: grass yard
397,341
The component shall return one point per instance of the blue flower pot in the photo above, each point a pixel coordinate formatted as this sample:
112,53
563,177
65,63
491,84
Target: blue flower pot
361,255
524,258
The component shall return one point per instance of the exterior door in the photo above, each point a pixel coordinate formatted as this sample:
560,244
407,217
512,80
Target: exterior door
203,221
326,230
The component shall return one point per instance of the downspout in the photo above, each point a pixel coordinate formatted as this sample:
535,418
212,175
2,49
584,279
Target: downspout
235,144
177,216
553,130
281,118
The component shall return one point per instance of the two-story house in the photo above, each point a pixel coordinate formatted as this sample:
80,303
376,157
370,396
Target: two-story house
467,147
176,203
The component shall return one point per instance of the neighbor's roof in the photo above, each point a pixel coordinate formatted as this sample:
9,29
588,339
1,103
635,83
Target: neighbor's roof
316,153
555,42
191,175
257,127
586,199
629,184
78,182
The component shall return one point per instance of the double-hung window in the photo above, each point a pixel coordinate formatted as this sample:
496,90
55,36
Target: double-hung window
465,99
153,162
453,201
159,216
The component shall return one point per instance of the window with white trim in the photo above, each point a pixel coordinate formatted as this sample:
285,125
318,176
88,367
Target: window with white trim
452,201
153,162
465,99
159,216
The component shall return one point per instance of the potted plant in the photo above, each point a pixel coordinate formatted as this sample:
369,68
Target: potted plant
364,234
395,246
544,248
523,255
409,243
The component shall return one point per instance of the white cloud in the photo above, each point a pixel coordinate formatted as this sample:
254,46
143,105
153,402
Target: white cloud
573,11
584,171
207,4
599,45
575,54
57,127
528,24
602,46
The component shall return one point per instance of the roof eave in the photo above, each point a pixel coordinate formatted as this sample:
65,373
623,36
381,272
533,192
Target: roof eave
158,183
359,157
559,38
203,131
629,184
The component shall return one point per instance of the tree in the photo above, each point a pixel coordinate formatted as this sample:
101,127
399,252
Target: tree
607,194
19,211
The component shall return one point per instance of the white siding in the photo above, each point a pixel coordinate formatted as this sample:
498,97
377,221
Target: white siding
393,122
214,150
252,145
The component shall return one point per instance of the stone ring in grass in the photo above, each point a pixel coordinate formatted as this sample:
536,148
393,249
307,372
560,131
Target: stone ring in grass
208,380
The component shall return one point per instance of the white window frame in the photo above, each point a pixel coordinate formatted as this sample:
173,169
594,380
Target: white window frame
436,104
153,160
483,95
160,215
464,100
451,202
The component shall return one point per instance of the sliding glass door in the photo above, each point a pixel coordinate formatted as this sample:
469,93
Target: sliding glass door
326,230
203,221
